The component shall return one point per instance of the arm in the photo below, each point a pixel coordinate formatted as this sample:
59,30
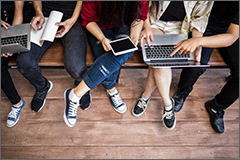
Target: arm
67,25
94,29
135,30
198,50
18,12
216,41
38,20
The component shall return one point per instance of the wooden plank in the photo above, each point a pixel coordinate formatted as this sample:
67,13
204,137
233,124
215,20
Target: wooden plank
118,152
101,110
112,133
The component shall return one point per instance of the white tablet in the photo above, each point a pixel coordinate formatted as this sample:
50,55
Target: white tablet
122,46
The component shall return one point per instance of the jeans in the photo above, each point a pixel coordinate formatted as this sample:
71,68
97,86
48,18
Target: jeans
7,83
229,92
75,49
106,67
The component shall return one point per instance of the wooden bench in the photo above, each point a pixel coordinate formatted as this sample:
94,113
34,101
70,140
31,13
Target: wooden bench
53,58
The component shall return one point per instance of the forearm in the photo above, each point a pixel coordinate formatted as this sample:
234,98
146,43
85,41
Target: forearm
18,12
196,33
76,12
94,29
38,7
135,29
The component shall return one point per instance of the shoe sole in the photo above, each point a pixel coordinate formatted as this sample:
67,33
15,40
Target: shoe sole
51,86
13,123
64,114
212,125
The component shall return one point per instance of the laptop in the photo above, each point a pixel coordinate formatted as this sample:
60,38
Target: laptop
157,54
15,39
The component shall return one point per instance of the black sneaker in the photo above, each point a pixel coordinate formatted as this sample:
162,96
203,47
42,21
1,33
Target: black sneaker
179,98
85,101
39,98
216,118
169,120
140,107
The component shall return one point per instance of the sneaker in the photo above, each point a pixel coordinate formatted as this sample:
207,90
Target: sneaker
179,98
39,98
85,101
169,120
140,107
117,103
70,112
13,116
216,118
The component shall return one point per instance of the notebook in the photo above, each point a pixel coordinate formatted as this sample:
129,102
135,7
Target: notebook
15,39
157,54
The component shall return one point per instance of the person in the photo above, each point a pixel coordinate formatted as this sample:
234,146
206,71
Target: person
170,17
72,34
12,13
223,33
125,17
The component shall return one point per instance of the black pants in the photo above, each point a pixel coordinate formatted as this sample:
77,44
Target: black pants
230,92
7,83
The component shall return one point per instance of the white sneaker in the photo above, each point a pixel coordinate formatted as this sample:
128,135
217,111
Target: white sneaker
117,103
13,116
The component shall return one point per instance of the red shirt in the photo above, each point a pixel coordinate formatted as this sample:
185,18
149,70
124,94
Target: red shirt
91,10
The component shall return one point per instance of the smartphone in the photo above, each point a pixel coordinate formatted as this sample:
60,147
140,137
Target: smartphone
122,46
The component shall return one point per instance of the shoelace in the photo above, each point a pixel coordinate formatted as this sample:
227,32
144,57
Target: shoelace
142,104
168,114
117,100
14,112
39,95
73,108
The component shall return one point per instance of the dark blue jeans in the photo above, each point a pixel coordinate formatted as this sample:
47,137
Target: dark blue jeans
230,92
7,84
106,67
75,49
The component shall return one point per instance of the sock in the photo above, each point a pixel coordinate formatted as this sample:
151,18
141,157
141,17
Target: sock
144,98
73,97
111,94
18,105
168,108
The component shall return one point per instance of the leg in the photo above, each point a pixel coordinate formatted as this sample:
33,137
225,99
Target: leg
27,63
7,83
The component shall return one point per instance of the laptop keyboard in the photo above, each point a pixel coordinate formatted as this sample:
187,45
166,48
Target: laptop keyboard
21,39
162,51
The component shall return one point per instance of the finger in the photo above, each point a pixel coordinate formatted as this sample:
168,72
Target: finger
184,52
151,37
148,40
174,52
180,51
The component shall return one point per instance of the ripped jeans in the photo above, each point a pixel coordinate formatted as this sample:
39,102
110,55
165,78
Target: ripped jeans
106,67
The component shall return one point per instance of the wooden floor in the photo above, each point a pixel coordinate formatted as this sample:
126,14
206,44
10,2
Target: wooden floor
102,133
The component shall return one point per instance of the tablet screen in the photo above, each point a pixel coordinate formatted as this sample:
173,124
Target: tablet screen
122,46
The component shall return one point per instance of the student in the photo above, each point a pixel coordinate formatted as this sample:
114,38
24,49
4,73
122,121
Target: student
223,33
74,39
12,14
170,17
106,21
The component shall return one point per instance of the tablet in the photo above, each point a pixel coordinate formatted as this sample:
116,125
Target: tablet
122,46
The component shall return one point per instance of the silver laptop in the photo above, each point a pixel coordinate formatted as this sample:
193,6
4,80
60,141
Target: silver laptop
15,39
157,54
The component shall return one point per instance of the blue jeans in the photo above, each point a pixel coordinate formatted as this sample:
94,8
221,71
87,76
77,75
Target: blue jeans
75,49
230,92
106,67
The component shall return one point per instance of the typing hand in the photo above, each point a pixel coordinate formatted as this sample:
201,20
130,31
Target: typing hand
37,22
146,33
5,24
6,55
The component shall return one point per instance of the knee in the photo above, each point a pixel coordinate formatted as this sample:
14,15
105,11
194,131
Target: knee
76,71
196,71
26,67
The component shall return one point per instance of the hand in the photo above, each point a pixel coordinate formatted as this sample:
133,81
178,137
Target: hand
105,44
66,26
6,55
186,46
5,24
197,54
146,33
37,22
135,40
